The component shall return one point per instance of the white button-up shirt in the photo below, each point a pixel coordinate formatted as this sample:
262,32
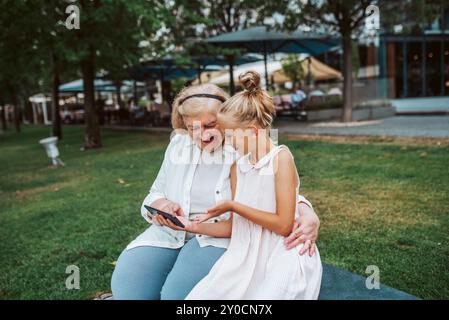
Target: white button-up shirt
174,182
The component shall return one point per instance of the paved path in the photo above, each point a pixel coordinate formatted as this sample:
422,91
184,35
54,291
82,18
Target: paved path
399,126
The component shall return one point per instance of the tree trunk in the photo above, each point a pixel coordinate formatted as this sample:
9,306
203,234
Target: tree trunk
16,106
3,116
118,92
56,125
347,74
92,138
123,115
135,92
28,109
231,61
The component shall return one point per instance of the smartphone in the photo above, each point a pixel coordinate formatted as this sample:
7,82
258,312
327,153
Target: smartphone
166,215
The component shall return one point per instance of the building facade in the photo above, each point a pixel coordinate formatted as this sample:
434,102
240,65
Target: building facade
418,65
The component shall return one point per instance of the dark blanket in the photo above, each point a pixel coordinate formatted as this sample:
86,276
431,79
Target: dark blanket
338,284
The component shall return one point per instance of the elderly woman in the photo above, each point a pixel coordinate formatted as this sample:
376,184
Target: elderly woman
165,263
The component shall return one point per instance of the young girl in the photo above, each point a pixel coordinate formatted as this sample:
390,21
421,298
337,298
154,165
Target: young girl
265,186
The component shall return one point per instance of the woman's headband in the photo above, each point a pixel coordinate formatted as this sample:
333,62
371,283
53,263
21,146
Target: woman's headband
202,95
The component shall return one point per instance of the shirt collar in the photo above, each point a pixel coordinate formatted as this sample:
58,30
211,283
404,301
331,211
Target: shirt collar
245,164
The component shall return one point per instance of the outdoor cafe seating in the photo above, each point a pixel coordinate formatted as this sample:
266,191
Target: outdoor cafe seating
292,105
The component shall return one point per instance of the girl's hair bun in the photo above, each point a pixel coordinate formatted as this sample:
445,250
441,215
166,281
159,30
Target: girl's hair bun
250,81
252,105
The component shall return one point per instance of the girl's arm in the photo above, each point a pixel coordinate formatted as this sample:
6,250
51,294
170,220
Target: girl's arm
221,229
285,182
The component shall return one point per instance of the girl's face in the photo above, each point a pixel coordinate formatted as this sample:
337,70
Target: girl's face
203,129
242,139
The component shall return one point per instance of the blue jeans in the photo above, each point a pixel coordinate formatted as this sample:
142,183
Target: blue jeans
153,273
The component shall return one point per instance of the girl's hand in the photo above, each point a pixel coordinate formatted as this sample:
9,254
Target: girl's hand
305,230
220,208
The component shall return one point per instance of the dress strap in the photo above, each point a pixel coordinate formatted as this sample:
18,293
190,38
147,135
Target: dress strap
276,150
268,158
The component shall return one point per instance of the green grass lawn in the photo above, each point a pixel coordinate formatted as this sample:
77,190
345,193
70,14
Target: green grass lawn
383,204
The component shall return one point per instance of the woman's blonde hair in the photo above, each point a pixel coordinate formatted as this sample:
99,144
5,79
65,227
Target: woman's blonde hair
252,105
195,105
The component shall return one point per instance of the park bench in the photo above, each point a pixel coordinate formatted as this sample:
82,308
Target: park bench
286,105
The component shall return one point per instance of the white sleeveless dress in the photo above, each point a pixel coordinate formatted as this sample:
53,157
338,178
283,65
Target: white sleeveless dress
256,264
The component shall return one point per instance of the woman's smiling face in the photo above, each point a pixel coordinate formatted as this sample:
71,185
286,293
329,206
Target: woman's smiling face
203,129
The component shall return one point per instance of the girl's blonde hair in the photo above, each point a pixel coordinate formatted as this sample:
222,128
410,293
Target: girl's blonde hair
195,105
252,105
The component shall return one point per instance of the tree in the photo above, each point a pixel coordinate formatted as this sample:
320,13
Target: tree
200,19
109,36
343,17
31,47
346,17
18,50
51,42
355,59
3,116
193,21
292,67
413,15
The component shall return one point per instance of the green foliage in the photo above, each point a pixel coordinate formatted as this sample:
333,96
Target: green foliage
414,16
178,84
143,102
293,69
112,30
18,48
336,16
193,21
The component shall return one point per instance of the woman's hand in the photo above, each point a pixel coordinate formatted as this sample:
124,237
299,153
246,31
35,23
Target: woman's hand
171,207
220,208
189,225
305,230
167,206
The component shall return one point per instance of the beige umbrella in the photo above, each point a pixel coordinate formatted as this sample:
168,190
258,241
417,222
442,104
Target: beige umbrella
319,70
207,76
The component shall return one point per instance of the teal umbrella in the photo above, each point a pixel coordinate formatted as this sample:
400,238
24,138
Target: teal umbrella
168,69
264,40
99,85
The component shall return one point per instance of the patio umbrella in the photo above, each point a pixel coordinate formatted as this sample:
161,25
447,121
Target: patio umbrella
99,85
226,60
224,78
319,71
168,68
162,72
261,39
